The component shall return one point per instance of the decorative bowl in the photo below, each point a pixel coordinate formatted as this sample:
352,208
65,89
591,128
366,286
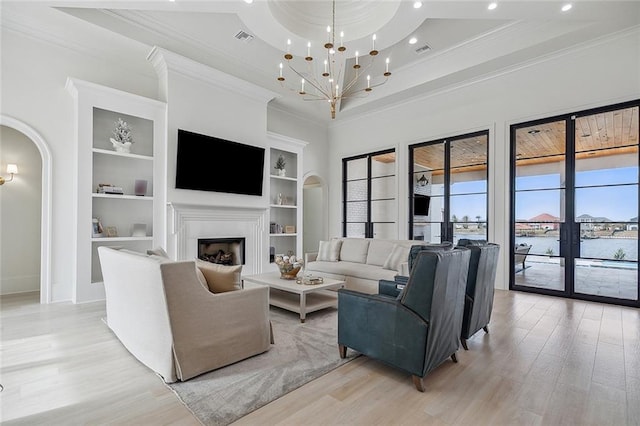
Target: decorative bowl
289,273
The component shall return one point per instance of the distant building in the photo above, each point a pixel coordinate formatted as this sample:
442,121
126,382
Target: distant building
592,223
632,226
545,221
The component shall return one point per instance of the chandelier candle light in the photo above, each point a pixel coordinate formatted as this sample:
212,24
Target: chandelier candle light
326,87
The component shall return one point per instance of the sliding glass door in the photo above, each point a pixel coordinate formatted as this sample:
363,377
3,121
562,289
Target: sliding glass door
369,196
575,205
448,188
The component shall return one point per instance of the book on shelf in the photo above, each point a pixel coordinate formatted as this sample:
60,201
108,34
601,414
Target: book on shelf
110,190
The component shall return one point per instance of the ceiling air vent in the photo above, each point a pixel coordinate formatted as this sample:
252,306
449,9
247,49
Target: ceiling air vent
244,36
423,49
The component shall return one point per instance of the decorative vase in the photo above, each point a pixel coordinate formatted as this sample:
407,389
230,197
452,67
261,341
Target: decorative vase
121,146
282,172
140,187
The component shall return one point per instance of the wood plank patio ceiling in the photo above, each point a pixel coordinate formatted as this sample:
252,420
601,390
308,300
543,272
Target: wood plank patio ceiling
597,135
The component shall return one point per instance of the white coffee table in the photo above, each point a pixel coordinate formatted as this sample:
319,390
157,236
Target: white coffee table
299,298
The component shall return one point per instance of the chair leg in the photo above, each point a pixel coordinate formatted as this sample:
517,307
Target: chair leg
454,358
343,351
486,328
464,344
418,382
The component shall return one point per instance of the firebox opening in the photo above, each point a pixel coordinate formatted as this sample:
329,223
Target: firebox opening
223,251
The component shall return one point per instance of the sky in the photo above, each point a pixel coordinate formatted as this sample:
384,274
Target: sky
540,194
618,202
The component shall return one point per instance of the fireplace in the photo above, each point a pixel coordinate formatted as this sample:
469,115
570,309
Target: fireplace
224,251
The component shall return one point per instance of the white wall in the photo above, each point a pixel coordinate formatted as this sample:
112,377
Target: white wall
20,209
204,100
312,218
32,85
578,79
316,153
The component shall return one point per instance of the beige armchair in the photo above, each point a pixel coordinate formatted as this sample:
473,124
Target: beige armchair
172,324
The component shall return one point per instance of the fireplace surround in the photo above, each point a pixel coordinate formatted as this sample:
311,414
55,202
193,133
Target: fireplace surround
189,223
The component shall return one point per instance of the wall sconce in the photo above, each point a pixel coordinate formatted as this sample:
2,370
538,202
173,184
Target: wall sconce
12,169
423,181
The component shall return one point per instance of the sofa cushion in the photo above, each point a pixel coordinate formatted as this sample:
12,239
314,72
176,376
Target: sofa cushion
379,251
399,254
351,269
329,251
220,278
354,250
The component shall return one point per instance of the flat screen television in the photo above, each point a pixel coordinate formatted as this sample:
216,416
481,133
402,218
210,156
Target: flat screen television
421,205
207,163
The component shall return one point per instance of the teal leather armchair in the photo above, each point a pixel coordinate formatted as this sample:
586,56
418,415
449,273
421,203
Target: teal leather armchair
417,330
479,291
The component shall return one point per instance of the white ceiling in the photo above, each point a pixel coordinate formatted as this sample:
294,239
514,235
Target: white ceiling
467,40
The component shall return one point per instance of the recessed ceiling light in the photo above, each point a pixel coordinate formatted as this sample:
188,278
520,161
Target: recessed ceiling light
567,7
492,6
417,4
413,40
248,1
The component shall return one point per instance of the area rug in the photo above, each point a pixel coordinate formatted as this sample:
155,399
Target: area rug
301,353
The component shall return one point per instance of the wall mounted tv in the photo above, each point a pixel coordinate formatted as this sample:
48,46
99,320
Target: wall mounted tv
421,205
207,163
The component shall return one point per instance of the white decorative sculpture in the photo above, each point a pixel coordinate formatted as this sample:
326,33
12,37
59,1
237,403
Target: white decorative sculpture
122,139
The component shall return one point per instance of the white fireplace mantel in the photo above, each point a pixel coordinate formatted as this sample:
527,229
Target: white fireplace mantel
189,222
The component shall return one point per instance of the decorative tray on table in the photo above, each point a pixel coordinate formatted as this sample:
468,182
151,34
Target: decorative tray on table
309,280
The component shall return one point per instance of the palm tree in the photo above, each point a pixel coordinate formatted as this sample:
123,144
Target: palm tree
465,220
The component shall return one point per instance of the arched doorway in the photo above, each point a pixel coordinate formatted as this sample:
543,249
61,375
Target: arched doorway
45,215
315,212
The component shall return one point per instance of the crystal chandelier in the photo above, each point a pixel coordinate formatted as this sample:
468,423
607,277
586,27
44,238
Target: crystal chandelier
325,85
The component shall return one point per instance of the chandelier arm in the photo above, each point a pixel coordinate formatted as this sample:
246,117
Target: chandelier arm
355,79
312,82
352,94
328,86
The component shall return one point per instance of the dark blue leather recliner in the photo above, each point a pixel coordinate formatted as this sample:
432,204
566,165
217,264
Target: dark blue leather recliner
480,287
417,330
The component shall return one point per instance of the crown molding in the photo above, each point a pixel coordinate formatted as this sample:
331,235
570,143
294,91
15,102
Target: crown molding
75,85
287,140
165,61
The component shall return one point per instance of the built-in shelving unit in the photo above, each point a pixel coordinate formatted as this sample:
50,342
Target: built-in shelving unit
285,192
128,220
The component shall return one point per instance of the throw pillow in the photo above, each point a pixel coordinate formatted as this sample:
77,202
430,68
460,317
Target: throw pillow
220,278
399,254
201,278
158,251
329,251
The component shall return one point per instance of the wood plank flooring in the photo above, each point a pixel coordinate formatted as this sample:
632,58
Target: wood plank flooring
546,361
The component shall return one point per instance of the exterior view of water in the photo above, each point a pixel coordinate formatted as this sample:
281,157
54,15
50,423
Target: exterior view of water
598,248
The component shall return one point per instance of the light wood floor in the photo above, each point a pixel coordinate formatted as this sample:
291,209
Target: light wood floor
546,361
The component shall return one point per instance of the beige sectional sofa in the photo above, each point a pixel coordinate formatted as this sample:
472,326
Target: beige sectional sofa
362,262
